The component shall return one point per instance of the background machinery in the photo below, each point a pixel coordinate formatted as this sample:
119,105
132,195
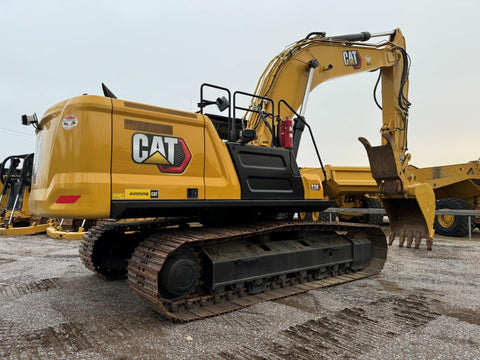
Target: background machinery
456,187
69,229
15,215
349,187
222,187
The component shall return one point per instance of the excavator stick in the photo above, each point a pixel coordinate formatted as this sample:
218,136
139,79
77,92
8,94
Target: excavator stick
410,206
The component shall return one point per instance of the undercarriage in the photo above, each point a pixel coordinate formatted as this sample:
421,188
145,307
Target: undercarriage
190,272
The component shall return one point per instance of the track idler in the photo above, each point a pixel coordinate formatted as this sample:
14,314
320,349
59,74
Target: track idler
179,274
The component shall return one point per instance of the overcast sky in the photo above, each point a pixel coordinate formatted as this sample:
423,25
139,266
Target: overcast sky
160,52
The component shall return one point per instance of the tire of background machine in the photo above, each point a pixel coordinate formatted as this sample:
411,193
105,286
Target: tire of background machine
320,216
307,216
313,216
457,227
371,203
325,217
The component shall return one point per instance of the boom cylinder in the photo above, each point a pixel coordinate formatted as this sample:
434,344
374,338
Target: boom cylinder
363,36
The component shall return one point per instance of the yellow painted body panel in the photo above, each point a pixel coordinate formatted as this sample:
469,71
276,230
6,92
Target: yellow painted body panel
115,151
346,180
74,161
346,185
34,228
127,174
221,181
312,184
458,181
210,169
56,232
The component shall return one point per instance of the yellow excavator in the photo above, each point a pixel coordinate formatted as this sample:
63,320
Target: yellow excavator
222,188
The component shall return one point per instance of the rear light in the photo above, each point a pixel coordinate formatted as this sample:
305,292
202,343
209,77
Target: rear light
67,199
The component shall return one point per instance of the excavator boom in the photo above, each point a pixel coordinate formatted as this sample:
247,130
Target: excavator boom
302,66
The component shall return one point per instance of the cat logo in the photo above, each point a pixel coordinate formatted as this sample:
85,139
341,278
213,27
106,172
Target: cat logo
352,58
170,154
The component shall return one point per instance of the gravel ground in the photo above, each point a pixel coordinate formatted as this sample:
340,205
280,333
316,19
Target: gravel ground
423,305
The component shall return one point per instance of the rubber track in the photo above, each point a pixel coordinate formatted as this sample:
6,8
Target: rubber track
150,254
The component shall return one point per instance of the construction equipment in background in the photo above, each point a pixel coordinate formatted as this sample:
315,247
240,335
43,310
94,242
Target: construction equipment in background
69,229
15,216
456,187
8,171
222,185
348,187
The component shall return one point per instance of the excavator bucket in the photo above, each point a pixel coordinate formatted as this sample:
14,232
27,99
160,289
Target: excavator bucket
410,206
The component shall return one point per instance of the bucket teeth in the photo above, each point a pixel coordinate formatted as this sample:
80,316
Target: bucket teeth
429,243
391,238
411,238
418,240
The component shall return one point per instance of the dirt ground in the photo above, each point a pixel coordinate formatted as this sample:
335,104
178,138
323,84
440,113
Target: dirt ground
423,305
